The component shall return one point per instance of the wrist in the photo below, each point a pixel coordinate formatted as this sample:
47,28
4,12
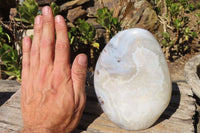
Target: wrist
28,130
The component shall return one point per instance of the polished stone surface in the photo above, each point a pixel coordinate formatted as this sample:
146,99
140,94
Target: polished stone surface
132,80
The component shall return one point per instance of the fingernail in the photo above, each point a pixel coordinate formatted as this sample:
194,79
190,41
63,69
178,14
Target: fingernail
45,10
82,60
38,20
58,19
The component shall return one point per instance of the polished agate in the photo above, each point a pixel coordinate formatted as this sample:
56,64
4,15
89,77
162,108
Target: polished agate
132,80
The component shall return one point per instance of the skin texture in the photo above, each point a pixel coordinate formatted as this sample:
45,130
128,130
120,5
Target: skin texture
52,92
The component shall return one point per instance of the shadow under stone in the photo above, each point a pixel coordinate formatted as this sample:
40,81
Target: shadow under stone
4,96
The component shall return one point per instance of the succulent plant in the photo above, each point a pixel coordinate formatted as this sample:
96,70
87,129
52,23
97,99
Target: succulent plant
28,11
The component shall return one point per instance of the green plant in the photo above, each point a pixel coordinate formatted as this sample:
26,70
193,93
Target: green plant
55,8
167,41
198,20
87,31
156,4
82,39
188,33
184,3
175,9
83,33
198,5
3,37
28,11
105,18
191,7
10,61
178,24
169,2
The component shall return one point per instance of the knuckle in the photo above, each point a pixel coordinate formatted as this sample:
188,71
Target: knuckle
61,29
48,21
79,74
61,45
25,64
37,29
34,51
45,43
26,50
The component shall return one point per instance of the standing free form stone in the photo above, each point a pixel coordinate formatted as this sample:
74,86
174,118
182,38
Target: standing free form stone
132,80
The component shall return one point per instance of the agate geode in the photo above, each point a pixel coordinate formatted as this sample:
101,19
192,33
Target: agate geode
132,80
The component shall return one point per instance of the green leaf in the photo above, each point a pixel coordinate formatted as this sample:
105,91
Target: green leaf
107,21
72,40
96,45
186,48
186,37
175,9
177,23
115,21
100,12
11,73
9,39
171,43
187,30
1,30
191,7
55,8
69,35
197,14
164,42
28,11
22,19
194,34
166,35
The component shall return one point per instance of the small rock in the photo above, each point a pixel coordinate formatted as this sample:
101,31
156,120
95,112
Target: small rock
70,4
93,22
149,20
113,5
132,13
13,13
92,11
75,13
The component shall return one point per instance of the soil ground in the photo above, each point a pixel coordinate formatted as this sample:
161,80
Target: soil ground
176,68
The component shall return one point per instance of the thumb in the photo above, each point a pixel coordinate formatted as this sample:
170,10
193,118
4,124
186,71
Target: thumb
78,74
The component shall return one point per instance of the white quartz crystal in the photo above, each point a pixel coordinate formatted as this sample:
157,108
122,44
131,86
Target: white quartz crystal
132,80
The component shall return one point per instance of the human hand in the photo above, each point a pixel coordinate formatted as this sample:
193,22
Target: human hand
52,92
